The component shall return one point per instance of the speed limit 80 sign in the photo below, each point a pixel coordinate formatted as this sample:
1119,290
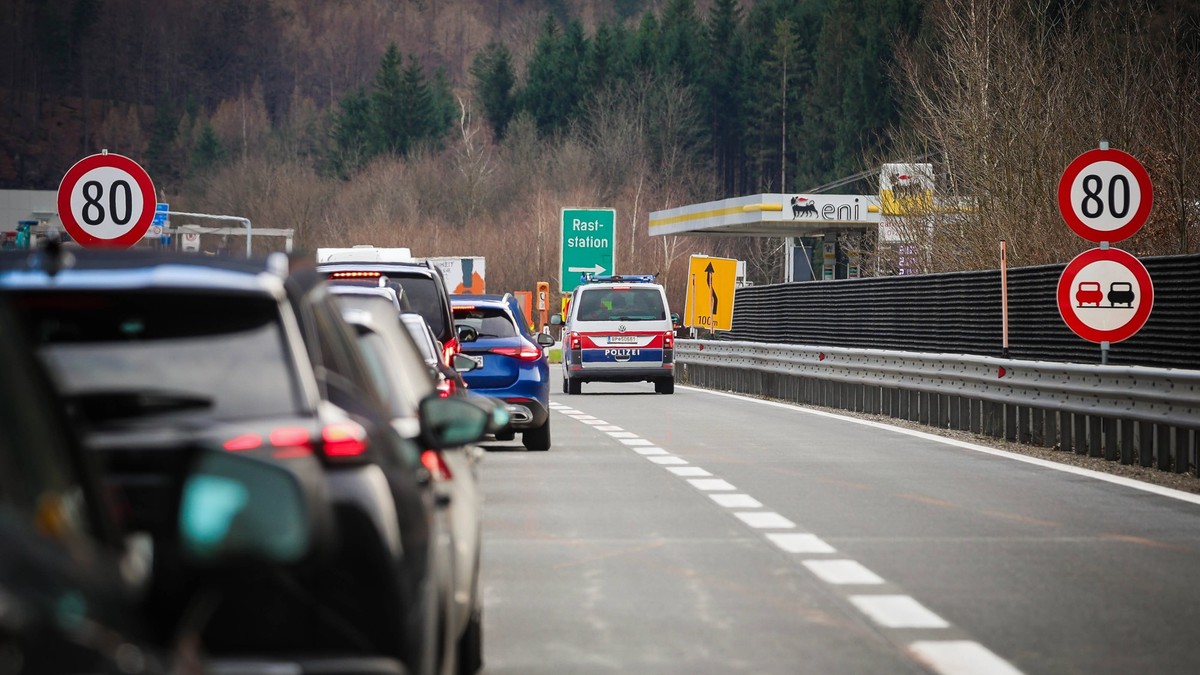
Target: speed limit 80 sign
1105,195
106,200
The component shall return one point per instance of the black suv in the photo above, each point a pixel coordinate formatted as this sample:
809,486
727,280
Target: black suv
155,352
421,282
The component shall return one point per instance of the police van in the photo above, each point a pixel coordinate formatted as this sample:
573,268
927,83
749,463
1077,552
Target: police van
618,329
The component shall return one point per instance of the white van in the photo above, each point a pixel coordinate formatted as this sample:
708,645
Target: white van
364,253
618,329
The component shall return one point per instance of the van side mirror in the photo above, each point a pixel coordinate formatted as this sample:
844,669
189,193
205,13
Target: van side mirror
555,320
675,318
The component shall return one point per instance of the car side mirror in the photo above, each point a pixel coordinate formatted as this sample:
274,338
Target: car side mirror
545,339
555,320
466,333
464,363
236,509
451,422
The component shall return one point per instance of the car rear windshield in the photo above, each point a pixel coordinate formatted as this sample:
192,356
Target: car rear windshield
123,355
489,322
621,303
426,296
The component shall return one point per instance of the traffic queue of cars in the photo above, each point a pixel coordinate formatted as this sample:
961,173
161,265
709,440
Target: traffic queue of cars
261,450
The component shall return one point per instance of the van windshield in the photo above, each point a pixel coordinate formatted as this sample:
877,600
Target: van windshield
621,304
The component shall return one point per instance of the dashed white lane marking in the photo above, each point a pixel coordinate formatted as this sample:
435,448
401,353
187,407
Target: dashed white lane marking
688,471
960,657
765,520
842,572
947,657
735,501
711,484
897,611
797,542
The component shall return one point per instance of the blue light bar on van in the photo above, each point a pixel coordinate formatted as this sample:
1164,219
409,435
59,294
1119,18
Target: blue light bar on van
619,278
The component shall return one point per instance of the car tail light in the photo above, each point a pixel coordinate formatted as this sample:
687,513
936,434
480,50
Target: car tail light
286,437
449,349
575,341
445,387
436,464
344,440
243,443
525,353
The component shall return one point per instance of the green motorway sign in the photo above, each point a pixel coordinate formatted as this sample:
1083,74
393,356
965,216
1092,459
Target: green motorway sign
589,237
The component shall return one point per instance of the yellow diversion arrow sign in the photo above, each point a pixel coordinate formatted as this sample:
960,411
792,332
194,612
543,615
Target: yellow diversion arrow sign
711,283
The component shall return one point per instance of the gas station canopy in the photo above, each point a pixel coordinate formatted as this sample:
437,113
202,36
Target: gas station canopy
770,215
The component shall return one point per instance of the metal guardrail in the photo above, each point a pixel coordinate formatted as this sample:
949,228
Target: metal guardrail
1121,413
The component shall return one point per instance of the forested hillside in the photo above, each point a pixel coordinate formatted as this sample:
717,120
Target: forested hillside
461,127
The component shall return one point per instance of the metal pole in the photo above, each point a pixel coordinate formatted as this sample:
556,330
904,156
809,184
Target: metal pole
1004,296
244,221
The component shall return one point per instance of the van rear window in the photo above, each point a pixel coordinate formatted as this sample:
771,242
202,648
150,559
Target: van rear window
621,304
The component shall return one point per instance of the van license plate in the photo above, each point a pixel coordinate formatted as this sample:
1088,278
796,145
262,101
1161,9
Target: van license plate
622,339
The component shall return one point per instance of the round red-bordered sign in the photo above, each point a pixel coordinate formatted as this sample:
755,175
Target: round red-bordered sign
1105,295
106,200
1105,195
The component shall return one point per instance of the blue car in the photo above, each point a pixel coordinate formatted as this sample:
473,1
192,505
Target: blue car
512,363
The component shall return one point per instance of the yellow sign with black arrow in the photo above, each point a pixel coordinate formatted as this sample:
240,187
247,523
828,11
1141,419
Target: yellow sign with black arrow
711,283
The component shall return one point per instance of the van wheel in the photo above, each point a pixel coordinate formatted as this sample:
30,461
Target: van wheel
565,390
537,439
665,385
574,387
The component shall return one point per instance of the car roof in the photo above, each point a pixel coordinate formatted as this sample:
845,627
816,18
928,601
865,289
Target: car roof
86,268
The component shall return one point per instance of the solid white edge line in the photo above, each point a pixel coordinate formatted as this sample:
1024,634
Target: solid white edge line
897,611
1045,463
960,657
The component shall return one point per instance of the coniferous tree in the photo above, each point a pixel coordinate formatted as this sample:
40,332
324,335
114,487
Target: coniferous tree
352,134
724,82
419,113
391,128
209,152
494,80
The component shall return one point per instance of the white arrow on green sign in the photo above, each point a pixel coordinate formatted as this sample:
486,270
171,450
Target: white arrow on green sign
589,238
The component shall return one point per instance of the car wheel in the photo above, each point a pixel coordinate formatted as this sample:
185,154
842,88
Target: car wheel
665,385
537,439
470,646
574,387
506,435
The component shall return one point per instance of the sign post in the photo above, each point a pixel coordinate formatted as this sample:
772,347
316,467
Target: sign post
1105,294
106,201
589,238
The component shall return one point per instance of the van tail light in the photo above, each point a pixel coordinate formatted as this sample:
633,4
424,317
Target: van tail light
433,461
573,338
344,440
668,340
525,353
